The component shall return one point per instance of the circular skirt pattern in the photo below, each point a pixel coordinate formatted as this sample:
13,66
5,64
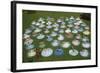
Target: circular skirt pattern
59,52
84,53
73,52
47,52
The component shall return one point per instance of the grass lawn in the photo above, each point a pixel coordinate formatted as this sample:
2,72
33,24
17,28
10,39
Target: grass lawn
29,16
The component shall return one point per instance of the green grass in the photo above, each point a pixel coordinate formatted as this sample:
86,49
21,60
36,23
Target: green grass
29,16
